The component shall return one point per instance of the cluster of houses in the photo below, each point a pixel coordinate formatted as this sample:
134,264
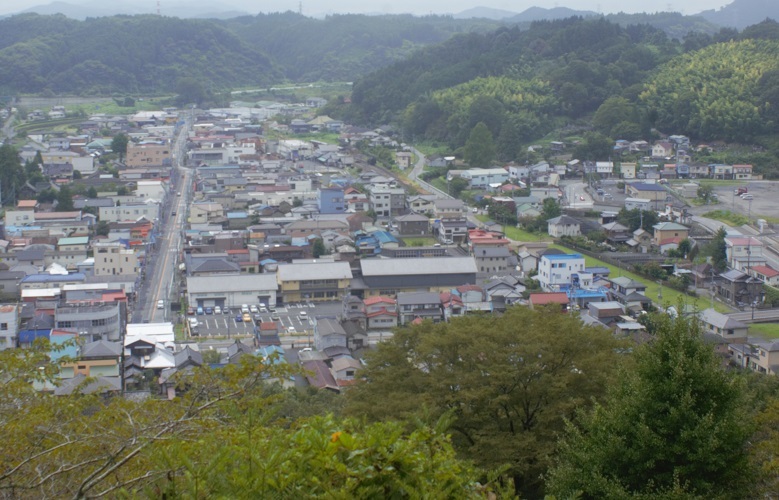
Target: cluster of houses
284,221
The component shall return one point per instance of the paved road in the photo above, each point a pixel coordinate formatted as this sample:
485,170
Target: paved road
578,197
161,273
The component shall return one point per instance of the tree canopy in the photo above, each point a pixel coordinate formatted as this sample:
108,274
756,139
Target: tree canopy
674,425
509,381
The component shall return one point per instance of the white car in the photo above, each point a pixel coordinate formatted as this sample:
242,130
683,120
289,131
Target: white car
253,309
244,308
747,196
217,310
160,304
303,315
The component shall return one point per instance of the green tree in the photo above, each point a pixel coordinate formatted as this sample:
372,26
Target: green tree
479,149
510,381
190,91
636,218
456,186
102,228
92,192
595,146
119,144
706,193
12,174
718,250
65,200
674,426
76,175
612,112
550,209
319,248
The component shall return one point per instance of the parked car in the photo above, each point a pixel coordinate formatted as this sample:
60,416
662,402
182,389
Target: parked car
263,309
209,310
160,304
275,317
747,196
303,315
244,308
217,310
253,309
246,318
190,311
238,318
199,310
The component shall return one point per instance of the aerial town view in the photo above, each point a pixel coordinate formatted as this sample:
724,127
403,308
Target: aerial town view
494,254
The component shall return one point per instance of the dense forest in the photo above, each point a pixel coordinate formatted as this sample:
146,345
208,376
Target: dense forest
587,76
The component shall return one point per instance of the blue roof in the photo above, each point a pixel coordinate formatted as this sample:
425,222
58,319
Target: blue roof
384,237
564,256
29,336
237,215
603,271
53,278
267,261
60,339
299,241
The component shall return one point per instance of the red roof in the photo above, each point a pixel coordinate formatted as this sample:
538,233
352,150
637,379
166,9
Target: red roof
381,312
540,299
378,300
675,240
766,271
238,251
268,325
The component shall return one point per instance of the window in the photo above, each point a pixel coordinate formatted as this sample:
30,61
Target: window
3,326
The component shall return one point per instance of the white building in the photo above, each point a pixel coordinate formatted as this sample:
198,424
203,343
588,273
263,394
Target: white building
555,271
9,326
481,178
133,212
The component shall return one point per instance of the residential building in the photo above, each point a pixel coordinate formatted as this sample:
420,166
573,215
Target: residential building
422,305
555,272
381,312
422,204
563,225
451,231
113,259
629,293
482,178
738,288
412,224
742,172
669,230
403,159
9,326
722,325
388,202
130,212
330,200
655,193
92,323
744,252
147,154
719,171
328,332
450,209
767,274
639,203
628,170
543,299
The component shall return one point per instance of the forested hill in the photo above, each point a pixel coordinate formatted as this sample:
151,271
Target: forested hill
134,54
124,54
524,84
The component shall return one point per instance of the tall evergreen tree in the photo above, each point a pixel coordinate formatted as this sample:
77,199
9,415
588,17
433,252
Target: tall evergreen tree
479,150
674,426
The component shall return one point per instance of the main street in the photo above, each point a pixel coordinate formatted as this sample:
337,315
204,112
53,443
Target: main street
162,256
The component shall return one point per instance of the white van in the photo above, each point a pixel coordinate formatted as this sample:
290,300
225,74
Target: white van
160,304
244,309
193,322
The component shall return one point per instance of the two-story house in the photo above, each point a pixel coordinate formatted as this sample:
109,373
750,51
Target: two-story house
422,305
381,311
744,252
555,271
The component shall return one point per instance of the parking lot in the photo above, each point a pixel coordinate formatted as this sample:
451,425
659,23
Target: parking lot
293,318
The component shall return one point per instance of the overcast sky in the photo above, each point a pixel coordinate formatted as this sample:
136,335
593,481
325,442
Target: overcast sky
319,7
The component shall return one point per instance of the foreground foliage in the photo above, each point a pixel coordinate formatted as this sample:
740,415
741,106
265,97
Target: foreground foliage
676,425
223,437
510,381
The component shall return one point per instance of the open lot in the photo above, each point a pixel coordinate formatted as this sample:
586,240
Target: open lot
295,316
763,205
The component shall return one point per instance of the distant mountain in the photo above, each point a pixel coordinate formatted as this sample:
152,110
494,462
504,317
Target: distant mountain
742,13
485,13
540,13
100,8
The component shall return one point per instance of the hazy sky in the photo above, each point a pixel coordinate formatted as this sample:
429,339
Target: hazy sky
318,7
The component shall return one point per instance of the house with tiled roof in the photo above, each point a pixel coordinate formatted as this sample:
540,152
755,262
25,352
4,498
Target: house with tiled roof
769,275
543,299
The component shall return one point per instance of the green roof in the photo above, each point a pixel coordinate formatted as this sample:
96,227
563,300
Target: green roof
76,240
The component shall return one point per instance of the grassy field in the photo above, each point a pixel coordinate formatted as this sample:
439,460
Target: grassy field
517,234
670,296
419,242
727,217
765,330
